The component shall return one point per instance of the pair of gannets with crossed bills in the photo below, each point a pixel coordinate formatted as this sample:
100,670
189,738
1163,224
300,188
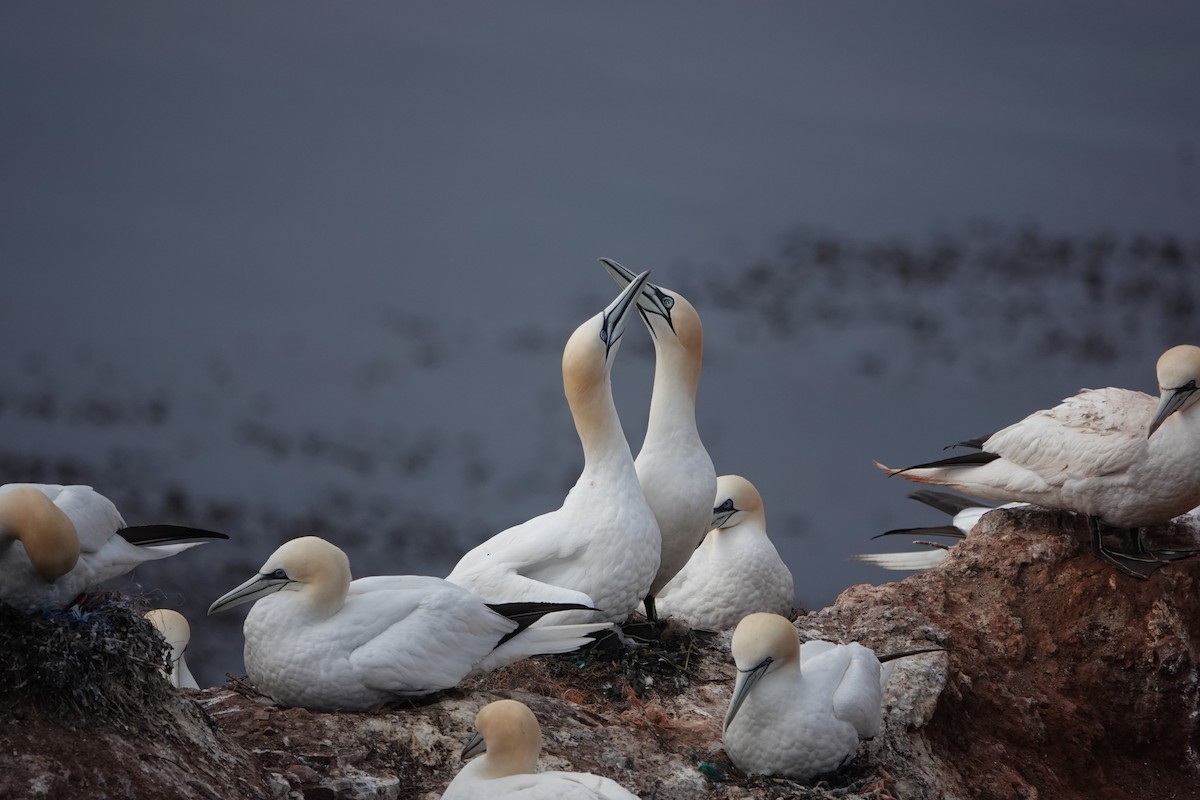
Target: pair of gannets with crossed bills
1120,457
965,515
602,545
177,633
736,570
317,639
799,710
57,542
673,467
510,739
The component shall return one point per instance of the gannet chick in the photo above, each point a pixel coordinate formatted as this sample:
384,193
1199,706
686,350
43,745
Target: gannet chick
57,542
798,716
736,570
965,516
1118,456
603,542
175,630
675,471
510,739
319,640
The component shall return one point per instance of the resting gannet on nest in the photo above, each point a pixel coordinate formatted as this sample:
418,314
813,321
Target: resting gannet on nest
175,630
319,640
736,570
674,469
603,543
1120,457
57,542
510,739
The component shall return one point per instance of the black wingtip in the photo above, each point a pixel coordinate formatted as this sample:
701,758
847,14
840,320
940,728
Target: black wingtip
968,460
936,530
525,614
975,444
945,502
149,535
905,653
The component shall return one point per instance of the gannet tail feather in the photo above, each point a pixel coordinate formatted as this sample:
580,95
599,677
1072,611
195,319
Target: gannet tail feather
909,560
525,614
153,535
947,503
935,530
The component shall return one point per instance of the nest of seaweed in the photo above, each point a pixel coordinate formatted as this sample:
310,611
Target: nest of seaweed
97,659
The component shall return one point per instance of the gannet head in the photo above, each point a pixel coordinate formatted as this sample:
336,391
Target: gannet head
589,354
46,532
653,300
509,733
737,500
664,310
174,629
320,571
1178,370
762,643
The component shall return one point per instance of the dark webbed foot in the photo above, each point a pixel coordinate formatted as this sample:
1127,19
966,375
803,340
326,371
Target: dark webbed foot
1140,564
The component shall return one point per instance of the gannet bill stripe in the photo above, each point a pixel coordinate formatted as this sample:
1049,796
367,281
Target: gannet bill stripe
57,542
798,714
603,543
504,753
736,570
1118,456
317,639
175,630
673,466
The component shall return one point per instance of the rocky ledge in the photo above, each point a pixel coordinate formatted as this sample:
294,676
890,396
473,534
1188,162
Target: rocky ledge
1061,679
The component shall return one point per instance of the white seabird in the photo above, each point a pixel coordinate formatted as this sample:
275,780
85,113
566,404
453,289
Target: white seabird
603,543
510,740
319,640
57,542
965,515
798,712
175,630
1118,456
675,471
736,570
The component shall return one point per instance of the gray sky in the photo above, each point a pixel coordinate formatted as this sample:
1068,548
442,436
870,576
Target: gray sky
332,218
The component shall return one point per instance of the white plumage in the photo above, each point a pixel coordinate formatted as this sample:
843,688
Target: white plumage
57,542
673,467
798,712
736,570
175,630
603,543
510,739
319,640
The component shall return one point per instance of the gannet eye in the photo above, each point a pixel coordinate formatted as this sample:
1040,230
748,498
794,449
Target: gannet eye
280,574
667,301
604,335
726,506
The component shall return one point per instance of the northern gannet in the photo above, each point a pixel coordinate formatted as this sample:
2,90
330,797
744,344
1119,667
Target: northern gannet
175,630
1118,456
736,570
965,515
510,739
675,470
798,712
319,640
57,542
603,543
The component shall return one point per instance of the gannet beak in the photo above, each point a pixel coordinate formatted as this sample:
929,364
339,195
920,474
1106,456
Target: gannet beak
474,746
741,688
616,316
251,590
1170,404
722,514
653,300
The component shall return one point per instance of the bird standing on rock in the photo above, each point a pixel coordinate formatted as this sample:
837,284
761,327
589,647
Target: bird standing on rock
1120,457
673,467
603,543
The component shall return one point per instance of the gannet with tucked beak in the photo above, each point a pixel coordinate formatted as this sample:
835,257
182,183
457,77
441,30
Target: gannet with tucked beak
603,543
736,570
675,470
319,640
1118,456
57,542
510,739
175,630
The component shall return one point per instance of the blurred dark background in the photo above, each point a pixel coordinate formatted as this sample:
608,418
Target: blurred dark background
288,269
